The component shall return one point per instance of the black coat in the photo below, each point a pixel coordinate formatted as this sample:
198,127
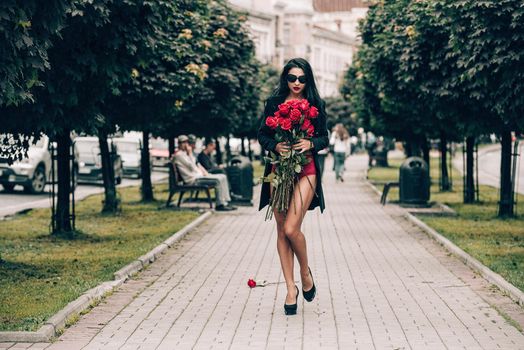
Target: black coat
266,137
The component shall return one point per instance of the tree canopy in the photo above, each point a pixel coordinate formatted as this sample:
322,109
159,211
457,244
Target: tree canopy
228,100
441,69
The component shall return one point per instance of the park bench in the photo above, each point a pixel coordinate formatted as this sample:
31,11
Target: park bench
385,192
177,185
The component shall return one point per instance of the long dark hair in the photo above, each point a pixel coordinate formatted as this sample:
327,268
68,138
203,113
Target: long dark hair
310,92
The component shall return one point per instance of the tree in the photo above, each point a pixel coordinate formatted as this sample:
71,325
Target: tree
456,64
68,97
228,101
425,66
27,28
341,111
388,104
168,68
488,39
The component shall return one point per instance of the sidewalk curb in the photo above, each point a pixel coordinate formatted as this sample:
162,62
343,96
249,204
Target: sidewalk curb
513,292
53,326
488,274
150,257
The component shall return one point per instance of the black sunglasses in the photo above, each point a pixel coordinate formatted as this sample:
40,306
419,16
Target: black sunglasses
292,78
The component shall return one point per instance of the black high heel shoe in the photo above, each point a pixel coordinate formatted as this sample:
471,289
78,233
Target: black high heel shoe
310,294
291,309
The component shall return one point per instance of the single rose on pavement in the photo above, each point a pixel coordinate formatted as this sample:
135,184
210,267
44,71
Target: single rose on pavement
259,283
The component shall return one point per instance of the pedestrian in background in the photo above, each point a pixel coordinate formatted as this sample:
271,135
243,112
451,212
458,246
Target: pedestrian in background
341,148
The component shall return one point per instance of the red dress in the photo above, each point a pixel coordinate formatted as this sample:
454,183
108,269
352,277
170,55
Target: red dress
308,169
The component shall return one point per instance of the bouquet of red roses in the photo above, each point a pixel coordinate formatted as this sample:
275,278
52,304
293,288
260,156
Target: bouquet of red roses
291,123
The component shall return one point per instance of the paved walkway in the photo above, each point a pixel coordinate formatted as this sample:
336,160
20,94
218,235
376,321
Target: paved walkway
379,287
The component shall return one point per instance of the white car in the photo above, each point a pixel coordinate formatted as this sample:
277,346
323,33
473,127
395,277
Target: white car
33,172
129,149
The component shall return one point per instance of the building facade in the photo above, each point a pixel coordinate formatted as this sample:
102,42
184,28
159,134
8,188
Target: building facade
322,31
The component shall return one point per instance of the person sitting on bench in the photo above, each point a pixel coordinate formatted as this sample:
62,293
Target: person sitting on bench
192,173
205,158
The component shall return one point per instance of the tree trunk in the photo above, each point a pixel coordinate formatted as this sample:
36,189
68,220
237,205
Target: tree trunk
110,203
171,149
408,149
425,151
469,191
506,189
63,215
228,150
147,187
444,176
413,148
219,152
171,146
243,147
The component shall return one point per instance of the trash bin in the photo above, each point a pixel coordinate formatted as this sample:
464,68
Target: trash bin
240,176
414,181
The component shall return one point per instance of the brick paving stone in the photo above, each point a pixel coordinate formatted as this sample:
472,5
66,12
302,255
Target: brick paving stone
382,284
39,346
18,346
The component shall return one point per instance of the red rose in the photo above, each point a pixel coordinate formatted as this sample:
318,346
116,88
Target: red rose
295,103
251,283
272,122
310,130
313,112
295,115
283,109
304,105
305,125
277,114
285,124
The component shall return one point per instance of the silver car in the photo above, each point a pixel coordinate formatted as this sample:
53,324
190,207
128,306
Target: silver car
90,161
33,172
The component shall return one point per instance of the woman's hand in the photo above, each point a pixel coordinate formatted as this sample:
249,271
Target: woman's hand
302,145
282,147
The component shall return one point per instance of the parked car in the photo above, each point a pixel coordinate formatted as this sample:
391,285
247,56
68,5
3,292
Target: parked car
159,152
90,160
33,172
129,150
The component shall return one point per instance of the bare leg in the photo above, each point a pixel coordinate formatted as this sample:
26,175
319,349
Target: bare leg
302,197
286,255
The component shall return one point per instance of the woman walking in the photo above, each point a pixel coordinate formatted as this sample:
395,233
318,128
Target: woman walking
341,149
296,83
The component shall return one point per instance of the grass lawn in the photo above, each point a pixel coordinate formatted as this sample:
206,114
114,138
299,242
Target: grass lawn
40,273
497,243
258,171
